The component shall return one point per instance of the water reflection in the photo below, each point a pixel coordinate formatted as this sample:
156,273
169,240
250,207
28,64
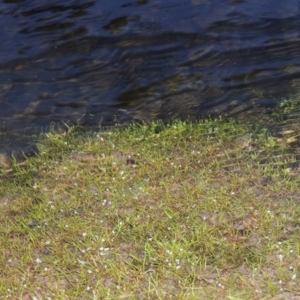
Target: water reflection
106,61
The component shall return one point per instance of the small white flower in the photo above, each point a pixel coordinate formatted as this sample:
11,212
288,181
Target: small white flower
38,260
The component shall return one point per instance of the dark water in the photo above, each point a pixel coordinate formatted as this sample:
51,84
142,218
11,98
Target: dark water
86,62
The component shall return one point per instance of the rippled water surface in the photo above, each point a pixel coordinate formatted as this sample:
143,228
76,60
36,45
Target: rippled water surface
86,62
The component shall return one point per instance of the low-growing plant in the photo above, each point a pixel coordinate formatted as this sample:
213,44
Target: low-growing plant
206,210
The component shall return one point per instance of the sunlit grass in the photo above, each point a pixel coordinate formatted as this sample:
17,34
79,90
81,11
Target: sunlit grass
179,211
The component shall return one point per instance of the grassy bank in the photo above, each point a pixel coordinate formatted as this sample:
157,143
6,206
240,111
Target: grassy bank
184,211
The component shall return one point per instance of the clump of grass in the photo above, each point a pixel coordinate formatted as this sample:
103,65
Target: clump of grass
179,211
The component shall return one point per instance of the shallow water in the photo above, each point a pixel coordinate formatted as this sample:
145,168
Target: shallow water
86,62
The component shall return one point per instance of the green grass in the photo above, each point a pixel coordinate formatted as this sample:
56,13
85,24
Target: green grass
179,211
